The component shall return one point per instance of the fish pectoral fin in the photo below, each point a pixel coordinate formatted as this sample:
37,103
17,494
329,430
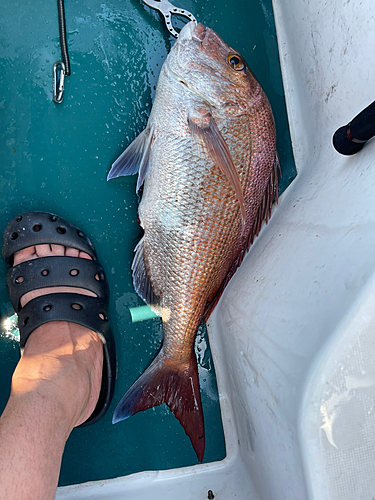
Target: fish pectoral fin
141,281
134,159
203,126
166,381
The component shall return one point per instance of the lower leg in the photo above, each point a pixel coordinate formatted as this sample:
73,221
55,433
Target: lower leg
55,387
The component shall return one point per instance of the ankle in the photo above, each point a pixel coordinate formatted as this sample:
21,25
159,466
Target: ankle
62,363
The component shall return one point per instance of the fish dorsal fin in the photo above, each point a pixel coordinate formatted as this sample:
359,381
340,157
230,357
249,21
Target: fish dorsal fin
270,197
203,126
141,281
134,159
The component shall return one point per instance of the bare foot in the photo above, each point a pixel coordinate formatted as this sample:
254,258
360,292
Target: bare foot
60,355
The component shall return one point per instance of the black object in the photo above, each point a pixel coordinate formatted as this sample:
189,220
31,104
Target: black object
63,41
350,139
37,228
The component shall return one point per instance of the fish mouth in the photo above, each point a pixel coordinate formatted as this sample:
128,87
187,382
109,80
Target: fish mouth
199,32
192,31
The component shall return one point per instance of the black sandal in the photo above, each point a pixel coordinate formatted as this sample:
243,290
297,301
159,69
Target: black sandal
37,228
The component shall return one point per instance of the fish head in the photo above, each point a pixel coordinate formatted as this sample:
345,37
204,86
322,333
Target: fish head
210,68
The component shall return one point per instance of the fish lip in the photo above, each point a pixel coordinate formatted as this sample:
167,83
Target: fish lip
193,31
187,31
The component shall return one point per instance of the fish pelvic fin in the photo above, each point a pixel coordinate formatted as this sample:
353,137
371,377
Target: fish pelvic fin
134,159
141,281
203,126
167,381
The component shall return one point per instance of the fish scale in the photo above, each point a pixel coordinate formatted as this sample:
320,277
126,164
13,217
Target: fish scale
209,165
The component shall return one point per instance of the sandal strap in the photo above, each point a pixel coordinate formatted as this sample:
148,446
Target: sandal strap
91,312
55,271
40,228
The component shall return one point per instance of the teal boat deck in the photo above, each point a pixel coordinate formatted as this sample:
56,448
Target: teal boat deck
56,158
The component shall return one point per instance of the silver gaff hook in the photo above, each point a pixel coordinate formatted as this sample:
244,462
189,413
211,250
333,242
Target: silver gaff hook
168,10
58,82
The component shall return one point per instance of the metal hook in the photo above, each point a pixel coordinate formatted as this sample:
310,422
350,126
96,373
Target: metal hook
58,83
168,10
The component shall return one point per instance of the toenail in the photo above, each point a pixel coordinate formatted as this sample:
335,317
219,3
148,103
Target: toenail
37,227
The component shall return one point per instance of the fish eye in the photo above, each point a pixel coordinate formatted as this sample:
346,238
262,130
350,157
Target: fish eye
236,62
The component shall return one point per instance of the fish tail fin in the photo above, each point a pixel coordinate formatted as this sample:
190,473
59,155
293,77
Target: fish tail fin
166,381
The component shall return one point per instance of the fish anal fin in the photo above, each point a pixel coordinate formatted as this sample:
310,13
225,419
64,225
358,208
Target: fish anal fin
166,381
264,213
203,126
134,159
141,281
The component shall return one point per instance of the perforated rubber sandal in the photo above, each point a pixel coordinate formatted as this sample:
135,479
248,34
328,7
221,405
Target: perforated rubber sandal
38,228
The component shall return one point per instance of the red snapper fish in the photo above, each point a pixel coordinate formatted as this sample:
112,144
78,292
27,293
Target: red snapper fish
209,165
